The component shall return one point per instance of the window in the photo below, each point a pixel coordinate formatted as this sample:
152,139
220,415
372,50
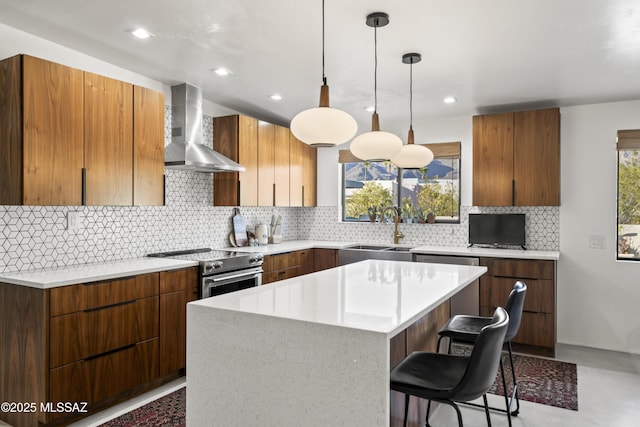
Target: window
368,187
628,195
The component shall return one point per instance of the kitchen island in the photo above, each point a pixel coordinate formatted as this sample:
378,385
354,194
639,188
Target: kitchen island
312,350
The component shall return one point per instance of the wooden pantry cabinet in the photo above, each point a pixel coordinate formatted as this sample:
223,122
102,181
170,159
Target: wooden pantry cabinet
280,170
72,137
516,158
537,332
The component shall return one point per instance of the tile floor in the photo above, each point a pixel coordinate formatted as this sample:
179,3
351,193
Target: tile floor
608,396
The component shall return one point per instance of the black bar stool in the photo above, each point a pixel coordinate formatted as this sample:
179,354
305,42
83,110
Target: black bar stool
462,328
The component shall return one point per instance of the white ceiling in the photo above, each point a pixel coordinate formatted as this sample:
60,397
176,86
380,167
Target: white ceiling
492,55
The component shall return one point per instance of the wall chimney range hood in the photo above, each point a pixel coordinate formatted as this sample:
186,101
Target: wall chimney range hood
186,151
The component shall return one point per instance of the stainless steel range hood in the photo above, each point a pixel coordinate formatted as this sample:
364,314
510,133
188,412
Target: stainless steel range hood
186,151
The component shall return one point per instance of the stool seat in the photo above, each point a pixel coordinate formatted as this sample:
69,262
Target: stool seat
464,328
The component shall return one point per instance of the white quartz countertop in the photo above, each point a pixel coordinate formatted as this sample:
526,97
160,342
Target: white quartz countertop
296,245
486,252
371,295
84,273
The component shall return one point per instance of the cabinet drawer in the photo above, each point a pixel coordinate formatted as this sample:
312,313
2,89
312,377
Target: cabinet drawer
88,333
281,261
107,376
519,268
69,299
539,299
274,276
536,329
178,280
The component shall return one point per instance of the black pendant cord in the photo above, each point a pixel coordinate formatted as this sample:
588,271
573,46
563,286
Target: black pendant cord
324,78
375,70
411,95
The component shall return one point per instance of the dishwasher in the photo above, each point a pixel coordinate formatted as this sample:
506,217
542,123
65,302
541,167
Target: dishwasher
467,301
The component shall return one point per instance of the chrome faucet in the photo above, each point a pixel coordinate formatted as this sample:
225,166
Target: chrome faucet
397,235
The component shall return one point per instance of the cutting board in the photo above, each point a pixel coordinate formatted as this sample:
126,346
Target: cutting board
239,228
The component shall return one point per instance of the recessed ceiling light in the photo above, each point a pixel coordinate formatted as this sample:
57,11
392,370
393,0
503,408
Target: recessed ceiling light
449,100
141,33
222,71
276,97
370,109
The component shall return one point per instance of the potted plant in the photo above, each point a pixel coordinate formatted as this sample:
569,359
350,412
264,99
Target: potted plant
373,213
407,211
431,218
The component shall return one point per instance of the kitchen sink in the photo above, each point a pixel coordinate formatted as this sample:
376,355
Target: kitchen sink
360,252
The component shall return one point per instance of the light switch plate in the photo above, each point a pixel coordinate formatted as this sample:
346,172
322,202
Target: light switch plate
597,241
74,221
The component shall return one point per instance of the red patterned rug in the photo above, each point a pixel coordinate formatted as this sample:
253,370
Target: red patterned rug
167,411
546,381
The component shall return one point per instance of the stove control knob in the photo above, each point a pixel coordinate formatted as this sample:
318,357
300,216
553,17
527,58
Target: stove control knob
210,266
257,258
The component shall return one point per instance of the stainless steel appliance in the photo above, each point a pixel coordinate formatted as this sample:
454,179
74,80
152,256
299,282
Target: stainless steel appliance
221,272
467,301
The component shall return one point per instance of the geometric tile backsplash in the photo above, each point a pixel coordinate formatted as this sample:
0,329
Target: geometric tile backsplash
34,237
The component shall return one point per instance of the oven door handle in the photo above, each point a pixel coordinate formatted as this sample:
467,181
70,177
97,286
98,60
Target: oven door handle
234,276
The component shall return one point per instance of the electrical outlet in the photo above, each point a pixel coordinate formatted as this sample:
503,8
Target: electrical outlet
74,221
597,241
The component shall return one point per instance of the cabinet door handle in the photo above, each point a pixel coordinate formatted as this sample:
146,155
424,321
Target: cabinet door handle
118,304
84,186
274,194
164,190
513,192
303,196
238,199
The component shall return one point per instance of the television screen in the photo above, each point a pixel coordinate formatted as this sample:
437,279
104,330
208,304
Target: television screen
497,229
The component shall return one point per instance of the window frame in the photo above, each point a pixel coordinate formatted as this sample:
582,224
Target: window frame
444,150
628,140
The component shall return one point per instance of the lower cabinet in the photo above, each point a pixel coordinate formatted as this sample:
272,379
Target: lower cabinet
98,342
537,332
176,290
421,336
296,263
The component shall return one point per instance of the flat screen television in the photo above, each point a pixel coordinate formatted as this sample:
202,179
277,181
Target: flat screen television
497,229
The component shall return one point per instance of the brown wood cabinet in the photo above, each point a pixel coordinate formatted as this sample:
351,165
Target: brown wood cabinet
324,258
148,147
421,336
296,263
108,141
177,288
73,137
280,170
537,332
98,342
516,159
237,138
42,132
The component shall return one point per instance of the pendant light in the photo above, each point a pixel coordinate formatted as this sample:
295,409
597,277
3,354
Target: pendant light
412,156
323,126
376,146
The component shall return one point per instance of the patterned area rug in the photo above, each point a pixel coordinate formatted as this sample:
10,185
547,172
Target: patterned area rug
167,411
545,381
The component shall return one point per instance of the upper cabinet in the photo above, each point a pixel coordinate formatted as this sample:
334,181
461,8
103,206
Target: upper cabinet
275,163
41,132
148,147
516,159
72,137
303,170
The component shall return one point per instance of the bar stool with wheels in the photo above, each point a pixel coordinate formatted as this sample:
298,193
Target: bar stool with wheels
449,378
465,329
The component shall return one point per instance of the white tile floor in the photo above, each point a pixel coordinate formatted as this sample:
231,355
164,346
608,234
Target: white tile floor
608,396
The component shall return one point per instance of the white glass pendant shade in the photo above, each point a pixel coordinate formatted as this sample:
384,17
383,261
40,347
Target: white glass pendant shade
377,145
412,156
323,126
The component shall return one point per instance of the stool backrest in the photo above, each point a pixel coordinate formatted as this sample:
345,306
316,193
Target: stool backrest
515,304
485,357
